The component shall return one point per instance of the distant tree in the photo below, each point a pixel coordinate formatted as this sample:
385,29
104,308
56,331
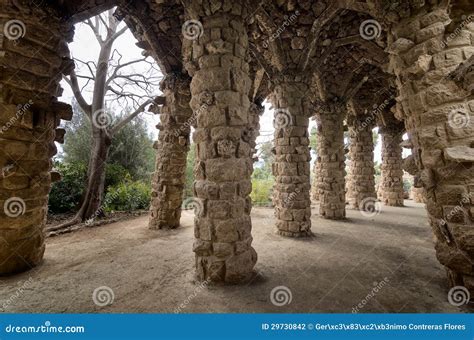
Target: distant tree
266,155
375,137
188,190
377,168
131,148
112,80
313,139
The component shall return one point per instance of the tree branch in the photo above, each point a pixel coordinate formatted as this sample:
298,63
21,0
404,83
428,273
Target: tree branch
95,29
128,119
74,84
119,33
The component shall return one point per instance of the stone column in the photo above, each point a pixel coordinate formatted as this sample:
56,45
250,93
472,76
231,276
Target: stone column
33,57
219,88
172,147
361,187
391,181
418,195
331,156
316,179
439,115
253,131
291,168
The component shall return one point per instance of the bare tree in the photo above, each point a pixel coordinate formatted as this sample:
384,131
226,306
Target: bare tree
112,81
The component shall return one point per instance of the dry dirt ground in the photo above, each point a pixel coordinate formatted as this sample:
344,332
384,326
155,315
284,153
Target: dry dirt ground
152,271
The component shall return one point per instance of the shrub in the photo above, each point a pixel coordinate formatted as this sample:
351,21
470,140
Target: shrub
407,184
261,191
115,174
66,194
128,196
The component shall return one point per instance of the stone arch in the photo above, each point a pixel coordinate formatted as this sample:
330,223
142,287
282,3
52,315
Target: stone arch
430,49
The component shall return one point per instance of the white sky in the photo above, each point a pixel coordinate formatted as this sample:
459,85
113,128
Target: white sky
86,47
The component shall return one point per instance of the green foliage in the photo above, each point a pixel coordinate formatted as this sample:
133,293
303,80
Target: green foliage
128,169
266,155
115,174
261,191
132,147
377,168
128,196
407,184
262,177
66,194
375,137
261,173
188,190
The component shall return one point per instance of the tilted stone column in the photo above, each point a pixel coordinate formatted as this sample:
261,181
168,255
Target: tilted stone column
331,155
391,181
219,89
33,58
169,179
291,168
361,178
440,116
316,179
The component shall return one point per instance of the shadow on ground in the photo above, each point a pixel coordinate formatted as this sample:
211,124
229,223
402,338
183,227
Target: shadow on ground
383,263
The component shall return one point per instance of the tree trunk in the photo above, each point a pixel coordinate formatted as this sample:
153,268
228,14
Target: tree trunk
91,204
